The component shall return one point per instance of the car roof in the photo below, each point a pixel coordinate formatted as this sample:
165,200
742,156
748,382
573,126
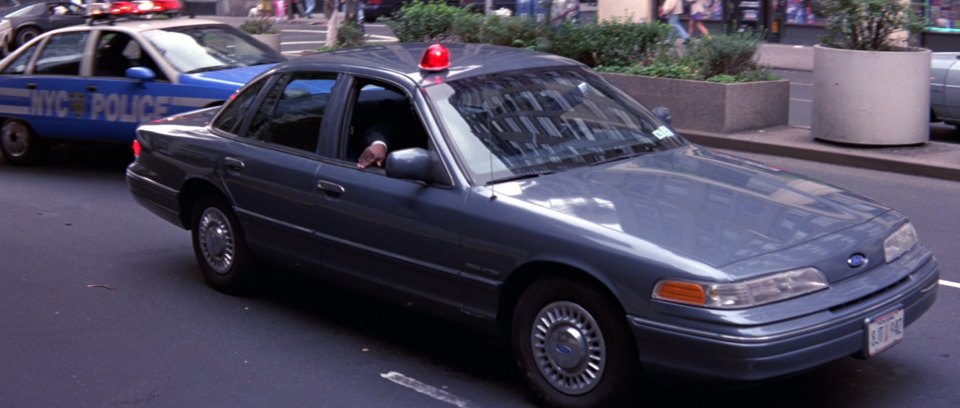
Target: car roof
466,60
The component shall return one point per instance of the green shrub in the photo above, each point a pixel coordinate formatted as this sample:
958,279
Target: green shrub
609,43
259,26
725,54
520,32
421,21
867,24
350,35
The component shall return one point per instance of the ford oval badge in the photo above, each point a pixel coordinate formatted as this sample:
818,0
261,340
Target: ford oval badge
857,260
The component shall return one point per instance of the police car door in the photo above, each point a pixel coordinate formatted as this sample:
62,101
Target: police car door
49,96
118,103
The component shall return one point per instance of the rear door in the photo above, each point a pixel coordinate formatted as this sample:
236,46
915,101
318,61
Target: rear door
48,94
270,173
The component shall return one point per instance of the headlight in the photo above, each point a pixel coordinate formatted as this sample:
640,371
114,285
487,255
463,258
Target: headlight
737,295
898,243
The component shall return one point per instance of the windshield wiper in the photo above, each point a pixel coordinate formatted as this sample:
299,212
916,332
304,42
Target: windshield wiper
211,68
520,176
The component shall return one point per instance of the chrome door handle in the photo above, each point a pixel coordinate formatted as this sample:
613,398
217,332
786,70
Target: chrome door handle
233,164
330,188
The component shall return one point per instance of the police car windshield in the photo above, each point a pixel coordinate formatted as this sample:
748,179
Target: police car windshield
195,49
510,125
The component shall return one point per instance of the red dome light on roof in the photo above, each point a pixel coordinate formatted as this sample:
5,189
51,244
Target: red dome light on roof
435,58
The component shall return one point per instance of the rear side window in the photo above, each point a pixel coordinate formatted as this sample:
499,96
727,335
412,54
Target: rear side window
19,65
231,117
62,54
292,111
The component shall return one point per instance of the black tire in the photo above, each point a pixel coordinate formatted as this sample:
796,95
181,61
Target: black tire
18,144
220,247
579,323
26,34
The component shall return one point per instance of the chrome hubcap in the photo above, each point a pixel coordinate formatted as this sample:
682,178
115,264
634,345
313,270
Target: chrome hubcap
216,240
568,347
15,139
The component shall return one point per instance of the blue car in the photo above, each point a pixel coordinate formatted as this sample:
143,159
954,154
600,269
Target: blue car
98,82
520,194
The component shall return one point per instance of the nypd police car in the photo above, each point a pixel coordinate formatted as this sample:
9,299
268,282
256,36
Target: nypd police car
98,82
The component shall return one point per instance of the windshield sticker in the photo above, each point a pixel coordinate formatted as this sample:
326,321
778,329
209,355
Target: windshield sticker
663,132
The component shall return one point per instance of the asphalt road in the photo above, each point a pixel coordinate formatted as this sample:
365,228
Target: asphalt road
103,305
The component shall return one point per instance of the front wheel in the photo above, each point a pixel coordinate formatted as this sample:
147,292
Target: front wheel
572,343
220,248
18,144
26,34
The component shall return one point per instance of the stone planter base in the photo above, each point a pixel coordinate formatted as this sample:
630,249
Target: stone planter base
709,106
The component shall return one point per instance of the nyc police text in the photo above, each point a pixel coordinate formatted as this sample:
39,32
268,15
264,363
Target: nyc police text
113,107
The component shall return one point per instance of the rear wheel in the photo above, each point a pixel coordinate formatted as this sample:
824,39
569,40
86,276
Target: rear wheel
18,144
220,248
572,343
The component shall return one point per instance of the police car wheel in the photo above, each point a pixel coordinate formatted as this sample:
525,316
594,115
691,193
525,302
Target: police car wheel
26,34
220,247
572,344
18,143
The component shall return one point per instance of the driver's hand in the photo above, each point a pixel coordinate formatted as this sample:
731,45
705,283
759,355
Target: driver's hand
373,154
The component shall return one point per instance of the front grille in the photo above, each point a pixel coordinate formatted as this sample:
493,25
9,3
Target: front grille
872,295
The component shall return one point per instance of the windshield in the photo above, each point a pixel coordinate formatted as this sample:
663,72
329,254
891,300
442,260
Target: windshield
507,126
194,49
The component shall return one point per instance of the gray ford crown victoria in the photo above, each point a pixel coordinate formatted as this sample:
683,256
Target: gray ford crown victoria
526,197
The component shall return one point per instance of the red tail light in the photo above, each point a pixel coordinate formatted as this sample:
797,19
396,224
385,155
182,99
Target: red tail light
375,2
136,148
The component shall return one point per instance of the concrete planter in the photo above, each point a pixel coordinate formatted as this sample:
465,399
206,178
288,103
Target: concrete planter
271,40
709,106
871,97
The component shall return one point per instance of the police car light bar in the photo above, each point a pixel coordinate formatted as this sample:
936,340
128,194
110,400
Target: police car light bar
143,8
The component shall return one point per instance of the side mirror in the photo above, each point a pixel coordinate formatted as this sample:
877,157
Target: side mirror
412,164
664,114
141,73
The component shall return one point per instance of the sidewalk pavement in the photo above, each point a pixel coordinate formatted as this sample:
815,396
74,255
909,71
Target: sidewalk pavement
932,159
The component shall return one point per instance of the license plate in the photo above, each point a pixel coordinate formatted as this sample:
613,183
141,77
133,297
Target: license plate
884,331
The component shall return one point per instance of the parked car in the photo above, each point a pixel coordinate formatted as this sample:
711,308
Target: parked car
98,82
524,196
945,87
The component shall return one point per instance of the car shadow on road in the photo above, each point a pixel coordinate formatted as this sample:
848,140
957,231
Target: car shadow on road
90,156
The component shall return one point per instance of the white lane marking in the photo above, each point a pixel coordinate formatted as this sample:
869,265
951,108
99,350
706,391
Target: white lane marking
426,389
950,284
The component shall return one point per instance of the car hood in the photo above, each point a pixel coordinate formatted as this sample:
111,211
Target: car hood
233,77
712,207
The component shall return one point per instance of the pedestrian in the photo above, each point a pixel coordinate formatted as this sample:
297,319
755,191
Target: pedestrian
672,9
293,9
310,4
697,9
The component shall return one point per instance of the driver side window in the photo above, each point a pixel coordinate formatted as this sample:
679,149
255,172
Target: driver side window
382,112
117,51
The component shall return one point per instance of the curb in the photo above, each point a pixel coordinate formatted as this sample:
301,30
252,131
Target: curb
933,159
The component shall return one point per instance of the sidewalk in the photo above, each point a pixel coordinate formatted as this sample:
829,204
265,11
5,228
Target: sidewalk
932,159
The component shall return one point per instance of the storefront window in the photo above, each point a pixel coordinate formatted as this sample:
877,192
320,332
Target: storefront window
804,12
943,15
